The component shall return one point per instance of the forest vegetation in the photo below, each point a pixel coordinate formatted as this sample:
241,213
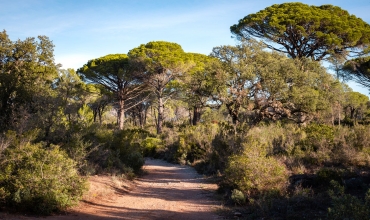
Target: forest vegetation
282,135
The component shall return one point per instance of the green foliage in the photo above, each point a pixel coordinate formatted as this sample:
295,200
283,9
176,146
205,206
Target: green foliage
305,31
346,206
128,144
39,180
78,150
115,73
152,146
194,145
198,85
162,63
318,136
27,69
269,86
253,172
159,54
238,197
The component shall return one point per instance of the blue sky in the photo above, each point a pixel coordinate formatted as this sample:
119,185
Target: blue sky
86,29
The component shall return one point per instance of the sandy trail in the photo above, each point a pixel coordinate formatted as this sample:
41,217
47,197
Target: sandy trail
168,191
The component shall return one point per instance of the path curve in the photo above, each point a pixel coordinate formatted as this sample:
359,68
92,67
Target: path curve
168,191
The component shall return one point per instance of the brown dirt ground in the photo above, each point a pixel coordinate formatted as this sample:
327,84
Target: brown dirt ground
167,191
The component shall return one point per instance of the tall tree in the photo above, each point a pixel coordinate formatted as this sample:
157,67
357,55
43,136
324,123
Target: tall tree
270,86
305,31
115,73
163,62
236,74
26,68
197,84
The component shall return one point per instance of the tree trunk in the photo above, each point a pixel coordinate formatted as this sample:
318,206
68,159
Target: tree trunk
233,112
145,115
95,112
352,110
160,115
196,115
190,118
140,116
100,113
121,114
355,117
339,116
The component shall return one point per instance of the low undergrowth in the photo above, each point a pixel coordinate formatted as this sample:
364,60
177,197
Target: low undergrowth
279,171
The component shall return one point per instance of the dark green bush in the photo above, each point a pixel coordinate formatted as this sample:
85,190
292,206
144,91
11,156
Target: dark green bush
78,149
346,206
195,142
39,180
128,145
135,160
326,175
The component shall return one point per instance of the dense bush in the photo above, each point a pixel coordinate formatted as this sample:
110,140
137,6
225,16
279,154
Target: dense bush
39,180
152,146
78,149
238,197
253,172
129,146
188,145
346,206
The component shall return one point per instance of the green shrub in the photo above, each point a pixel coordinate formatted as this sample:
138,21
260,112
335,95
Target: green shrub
319,136
238,197
346,206
135,160
151,146
253,172
195,142
39,180
326,175
128,145
78,150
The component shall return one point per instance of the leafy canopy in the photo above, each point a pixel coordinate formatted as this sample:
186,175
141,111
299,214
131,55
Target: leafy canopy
305,31
198,83
162,63
269,85
115,73
109,71
27,68
160,56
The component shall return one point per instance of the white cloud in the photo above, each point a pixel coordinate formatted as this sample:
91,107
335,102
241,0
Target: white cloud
73,61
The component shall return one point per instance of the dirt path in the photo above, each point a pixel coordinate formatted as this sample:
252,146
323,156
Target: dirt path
168,191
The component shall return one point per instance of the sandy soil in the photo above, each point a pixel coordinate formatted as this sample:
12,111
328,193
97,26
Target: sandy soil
168,191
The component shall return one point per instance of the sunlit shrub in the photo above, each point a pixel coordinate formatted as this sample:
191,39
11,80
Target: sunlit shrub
152,146
190,144
238,197
319,136
39,180
253,172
